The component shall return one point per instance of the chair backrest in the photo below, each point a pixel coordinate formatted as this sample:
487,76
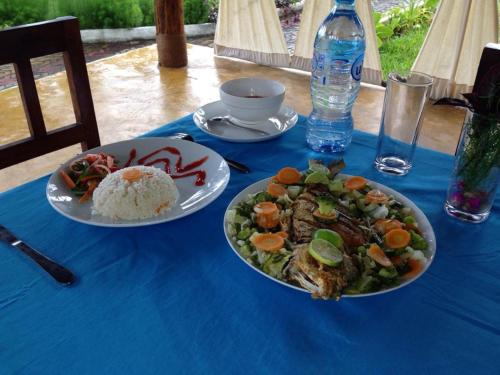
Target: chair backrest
17,46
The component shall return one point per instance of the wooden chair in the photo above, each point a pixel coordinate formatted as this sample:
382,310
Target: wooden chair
17,46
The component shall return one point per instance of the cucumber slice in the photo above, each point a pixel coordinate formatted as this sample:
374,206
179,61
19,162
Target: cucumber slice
317,178
336,186
371,207
324,252
388,273
293,191
330,236
245,233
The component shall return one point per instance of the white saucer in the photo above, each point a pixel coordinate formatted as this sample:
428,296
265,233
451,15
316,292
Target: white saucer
275,126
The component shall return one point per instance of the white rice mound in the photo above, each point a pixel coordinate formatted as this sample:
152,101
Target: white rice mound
152,193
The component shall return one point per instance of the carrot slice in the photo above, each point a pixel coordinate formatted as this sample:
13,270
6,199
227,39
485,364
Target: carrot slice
397,238
276,190
386,225
288,175
267,214
85,197
92,184
265,208
270,242
393,224
416,267
267,221
132,175
378,255
376,196
67,180
355,183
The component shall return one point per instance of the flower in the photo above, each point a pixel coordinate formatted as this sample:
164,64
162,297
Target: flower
457,198
474,203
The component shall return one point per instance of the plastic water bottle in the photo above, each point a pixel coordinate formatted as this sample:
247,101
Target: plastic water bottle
339,50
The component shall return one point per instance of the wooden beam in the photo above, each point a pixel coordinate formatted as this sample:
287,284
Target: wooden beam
170,36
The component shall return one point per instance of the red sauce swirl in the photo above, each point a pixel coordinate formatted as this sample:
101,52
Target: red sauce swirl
181,171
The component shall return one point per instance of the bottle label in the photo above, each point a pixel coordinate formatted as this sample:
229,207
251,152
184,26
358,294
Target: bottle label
318,61
357,68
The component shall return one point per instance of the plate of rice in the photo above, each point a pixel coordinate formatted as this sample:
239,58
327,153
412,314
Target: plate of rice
147,181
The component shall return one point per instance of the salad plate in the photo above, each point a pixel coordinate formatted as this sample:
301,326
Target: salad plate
272,128
252,191
193,194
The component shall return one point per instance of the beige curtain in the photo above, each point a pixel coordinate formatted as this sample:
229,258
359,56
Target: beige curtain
251,30
313,13
372,68
453,46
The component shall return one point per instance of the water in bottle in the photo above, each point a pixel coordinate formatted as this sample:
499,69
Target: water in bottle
339,50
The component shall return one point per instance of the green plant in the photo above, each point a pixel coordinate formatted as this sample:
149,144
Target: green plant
97,13
399,21
105,14
195,11
12,13
147,8
398,53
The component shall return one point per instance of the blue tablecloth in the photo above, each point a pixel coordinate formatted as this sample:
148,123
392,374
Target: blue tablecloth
174,298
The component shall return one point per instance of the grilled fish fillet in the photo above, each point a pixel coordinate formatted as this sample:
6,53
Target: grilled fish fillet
322,281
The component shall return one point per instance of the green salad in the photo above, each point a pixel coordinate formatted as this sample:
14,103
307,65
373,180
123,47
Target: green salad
328,234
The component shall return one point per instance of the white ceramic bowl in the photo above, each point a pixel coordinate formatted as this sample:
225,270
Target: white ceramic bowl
252,100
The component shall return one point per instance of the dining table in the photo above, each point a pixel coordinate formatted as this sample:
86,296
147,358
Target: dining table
174,297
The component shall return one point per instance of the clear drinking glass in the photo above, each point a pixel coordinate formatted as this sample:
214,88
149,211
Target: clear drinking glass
404,103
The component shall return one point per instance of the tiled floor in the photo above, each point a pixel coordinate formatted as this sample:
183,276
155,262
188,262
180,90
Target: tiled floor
47,65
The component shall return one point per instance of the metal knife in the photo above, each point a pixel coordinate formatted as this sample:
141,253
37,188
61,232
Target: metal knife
237,165
58,272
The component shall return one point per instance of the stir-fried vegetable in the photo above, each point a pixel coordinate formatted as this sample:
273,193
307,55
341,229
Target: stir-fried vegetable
84,174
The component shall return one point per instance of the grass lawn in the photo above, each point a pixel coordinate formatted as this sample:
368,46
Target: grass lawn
399,53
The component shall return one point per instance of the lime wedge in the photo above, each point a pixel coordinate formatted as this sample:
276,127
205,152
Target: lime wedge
315,166
317,178
324,252
330,236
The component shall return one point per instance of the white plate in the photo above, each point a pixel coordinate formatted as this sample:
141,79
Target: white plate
275,126
192,198
422,220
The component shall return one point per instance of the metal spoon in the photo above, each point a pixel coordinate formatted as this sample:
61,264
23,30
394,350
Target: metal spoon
236,165
227,120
